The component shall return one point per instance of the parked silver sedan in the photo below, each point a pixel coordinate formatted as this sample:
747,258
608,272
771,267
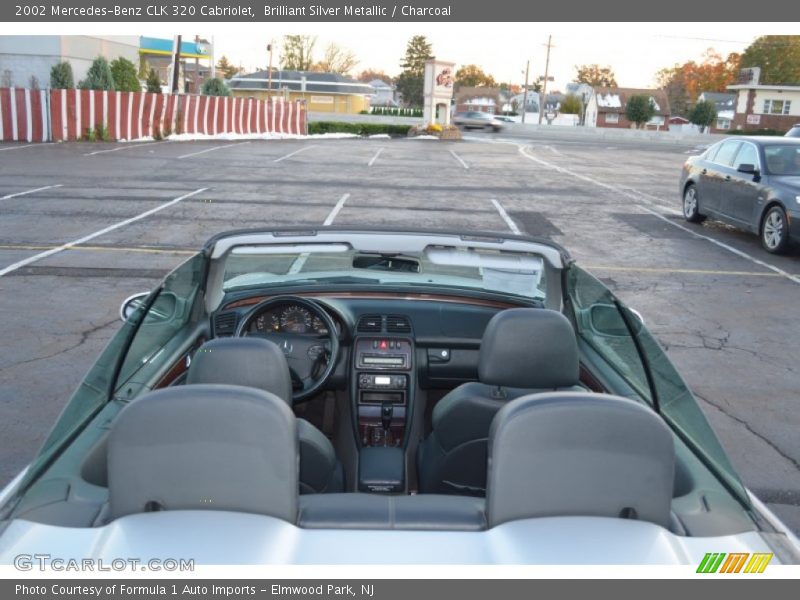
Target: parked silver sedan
477,120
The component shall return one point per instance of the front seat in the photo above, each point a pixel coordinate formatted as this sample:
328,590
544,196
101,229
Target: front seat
579,454
523,351
259,363
204,447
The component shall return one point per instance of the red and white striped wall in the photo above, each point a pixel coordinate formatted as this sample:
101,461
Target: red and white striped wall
130,115
23,115
65,115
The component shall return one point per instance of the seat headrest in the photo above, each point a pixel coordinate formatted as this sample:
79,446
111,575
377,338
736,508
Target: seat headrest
204,447
529,348
248,361
579,454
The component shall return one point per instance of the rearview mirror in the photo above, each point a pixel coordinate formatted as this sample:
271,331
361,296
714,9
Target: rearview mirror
163,309
605,319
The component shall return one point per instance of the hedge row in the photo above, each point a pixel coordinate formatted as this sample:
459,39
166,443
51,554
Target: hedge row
315,127
755,132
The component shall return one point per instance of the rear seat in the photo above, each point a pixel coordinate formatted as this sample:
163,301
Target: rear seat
369,511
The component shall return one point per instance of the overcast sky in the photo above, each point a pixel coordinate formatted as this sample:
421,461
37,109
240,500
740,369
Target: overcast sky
635,51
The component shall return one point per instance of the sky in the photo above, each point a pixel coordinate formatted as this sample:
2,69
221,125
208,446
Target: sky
635,51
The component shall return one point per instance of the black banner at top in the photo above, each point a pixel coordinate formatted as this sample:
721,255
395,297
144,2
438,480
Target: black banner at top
255,11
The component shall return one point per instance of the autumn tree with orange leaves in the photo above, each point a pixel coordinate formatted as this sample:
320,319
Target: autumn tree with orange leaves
684,83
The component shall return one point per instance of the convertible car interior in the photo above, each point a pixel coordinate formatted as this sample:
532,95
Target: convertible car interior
449,383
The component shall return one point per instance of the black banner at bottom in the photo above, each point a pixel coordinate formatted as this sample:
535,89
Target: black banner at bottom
395,589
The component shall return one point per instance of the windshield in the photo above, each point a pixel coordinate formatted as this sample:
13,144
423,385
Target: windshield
783,159
514,273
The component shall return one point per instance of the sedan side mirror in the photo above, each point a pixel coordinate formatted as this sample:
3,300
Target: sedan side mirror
748,169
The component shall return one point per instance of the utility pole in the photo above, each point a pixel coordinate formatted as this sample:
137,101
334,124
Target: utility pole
544,84
525,93
196,65
269,76
176,65
213,59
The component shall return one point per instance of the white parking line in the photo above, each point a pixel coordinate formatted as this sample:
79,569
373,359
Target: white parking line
91,236
47,187
335,211
509,221
212,149
298,263
293,153
374,158
459,159
19,147
126,147
638,196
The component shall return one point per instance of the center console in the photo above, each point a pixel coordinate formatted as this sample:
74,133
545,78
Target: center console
382,391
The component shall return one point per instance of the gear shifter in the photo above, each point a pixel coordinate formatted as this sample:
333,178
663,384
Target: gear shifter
387,410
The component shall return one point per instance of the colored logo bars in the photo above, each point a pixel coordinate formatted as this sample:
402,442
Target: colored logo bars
737,562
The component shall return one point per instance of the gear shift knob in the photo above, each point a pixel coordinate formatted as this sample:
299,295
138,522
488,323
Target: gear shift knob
387,410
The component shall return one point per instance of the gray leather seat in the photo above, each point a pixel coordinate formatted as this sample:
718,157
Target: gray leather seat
523,351
204,447
580,454
259,363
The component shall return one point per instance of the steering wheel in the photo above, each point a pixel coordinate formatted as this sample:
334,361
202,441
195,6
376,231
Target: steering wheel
311,357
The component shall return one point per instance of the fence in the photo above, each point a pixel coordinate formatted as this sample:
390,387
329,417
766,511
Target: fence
23,115
64,115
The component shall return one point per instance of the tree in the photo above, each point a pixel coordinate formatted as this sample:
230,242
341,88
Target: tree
227,69
336,60
298,52
99,76
778,56
410,82
125,77
153,82
61,77
684,83
473,76
595,75
571,105
640,109
368,75
703,114
215,87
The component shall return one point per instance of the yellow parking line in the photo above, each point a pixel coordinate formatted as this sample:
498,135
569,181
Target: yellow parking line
668,270
100,249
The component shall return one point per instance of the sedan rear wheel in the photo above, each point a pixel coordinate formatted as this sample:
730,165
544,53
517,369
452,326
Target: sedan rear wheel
691,206
775,231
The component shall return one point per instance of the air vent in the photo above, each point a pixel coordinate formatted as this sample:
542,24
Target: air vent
397,325
370,324
225,324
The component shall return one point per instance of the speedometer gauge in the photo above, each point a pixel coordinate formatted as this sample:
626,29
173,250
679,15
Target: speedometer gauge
318,326
295,319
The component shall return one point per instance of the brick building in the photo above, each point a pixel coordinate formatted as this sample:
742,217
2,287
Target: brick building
606,108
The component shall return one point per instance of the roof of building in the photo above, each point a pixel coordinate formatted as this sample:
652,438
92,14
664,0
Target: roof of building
380,84
614,100
470,93
316,82
722,101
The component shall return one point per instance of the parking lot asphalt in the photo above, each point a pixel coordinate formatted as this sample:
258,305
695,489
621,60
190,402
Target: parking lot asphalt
84,225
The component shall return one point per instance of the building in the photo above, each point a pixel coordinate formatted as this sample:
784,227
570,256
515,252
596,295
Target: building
478,99
384,94
606,108
531,102
195,61
26,60
726,107
764,106
323,92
